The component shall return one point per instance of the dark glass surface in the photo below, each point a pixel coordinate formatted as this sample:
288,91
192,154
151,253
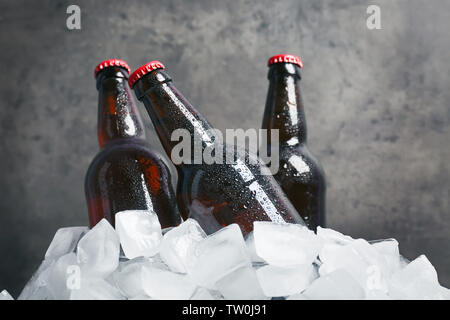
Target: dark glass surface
300,174
126,174
216,194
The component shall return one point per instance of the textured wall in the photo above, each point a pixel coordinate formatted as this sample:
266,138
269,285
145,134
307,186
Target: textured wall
377,105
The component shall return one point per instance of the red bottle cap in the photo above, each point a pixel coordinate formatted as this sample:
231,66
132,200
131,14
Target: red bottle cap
142,71
111,63
285,58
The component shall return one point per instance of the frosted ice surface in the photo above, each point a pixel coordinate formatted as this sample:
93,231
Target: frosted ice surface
141,297
95,289
59,274
418,289
204,216
338,285
251,249
128,276
297,296
166,285
284,281
217,256
418,280
389,250
445,293
177,243
278,261
403,261
360,259
202,294
64,241
286,244
241,284
139,232
377,295
4,295
420,267
330,236
98,250
36,289
165,230
128,280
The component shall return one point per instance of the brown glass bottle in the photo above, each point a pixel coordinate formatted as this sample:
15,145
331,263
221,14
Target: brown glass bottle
300,174
215,194
126,174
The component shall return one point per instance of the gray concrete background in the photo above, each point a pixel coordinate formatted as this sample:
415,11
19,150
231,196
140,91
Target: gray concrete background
377,105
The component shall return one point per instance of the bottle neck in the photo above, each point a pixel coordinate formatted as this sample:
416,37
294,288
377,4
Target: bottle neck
172,114
284,106
118,116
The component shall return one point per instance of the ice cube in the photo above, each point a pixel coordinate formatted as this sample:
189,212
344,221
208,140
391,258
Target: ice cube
360,259
297,296
389,249
418,280
64,241
420,267
95,289
334,257
98,250
403,262
128,276
139,232
36,289
60,276
176,244
155,261
4,295
205,217
128,280
331,236
141,297
445,293
380,264
165,230
251,249
202,294
286,245
241,284
377,295
217,256
338,285
39,293
417,289
166,285
284,281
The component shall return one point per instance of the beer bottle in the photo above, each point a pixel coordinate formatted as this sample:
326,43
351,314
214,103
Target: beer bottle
300,174
126,174
215,193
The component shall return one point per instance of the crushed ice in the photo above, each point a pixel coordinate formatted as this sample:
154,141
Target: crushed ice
139,261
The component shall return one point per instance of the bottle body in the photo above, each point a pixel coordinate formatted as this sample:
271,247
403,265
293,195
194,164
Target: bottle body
300,174
126,174
217,195
222,192
302,179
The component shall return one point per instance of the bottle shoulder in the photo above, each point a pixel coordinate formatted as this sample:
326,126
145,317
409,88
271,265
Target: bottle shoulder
129,146
298,162
122,151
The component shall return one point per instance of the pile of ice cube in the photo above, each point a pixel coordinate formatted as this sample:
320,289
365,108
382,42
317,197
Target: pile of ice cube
138,260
